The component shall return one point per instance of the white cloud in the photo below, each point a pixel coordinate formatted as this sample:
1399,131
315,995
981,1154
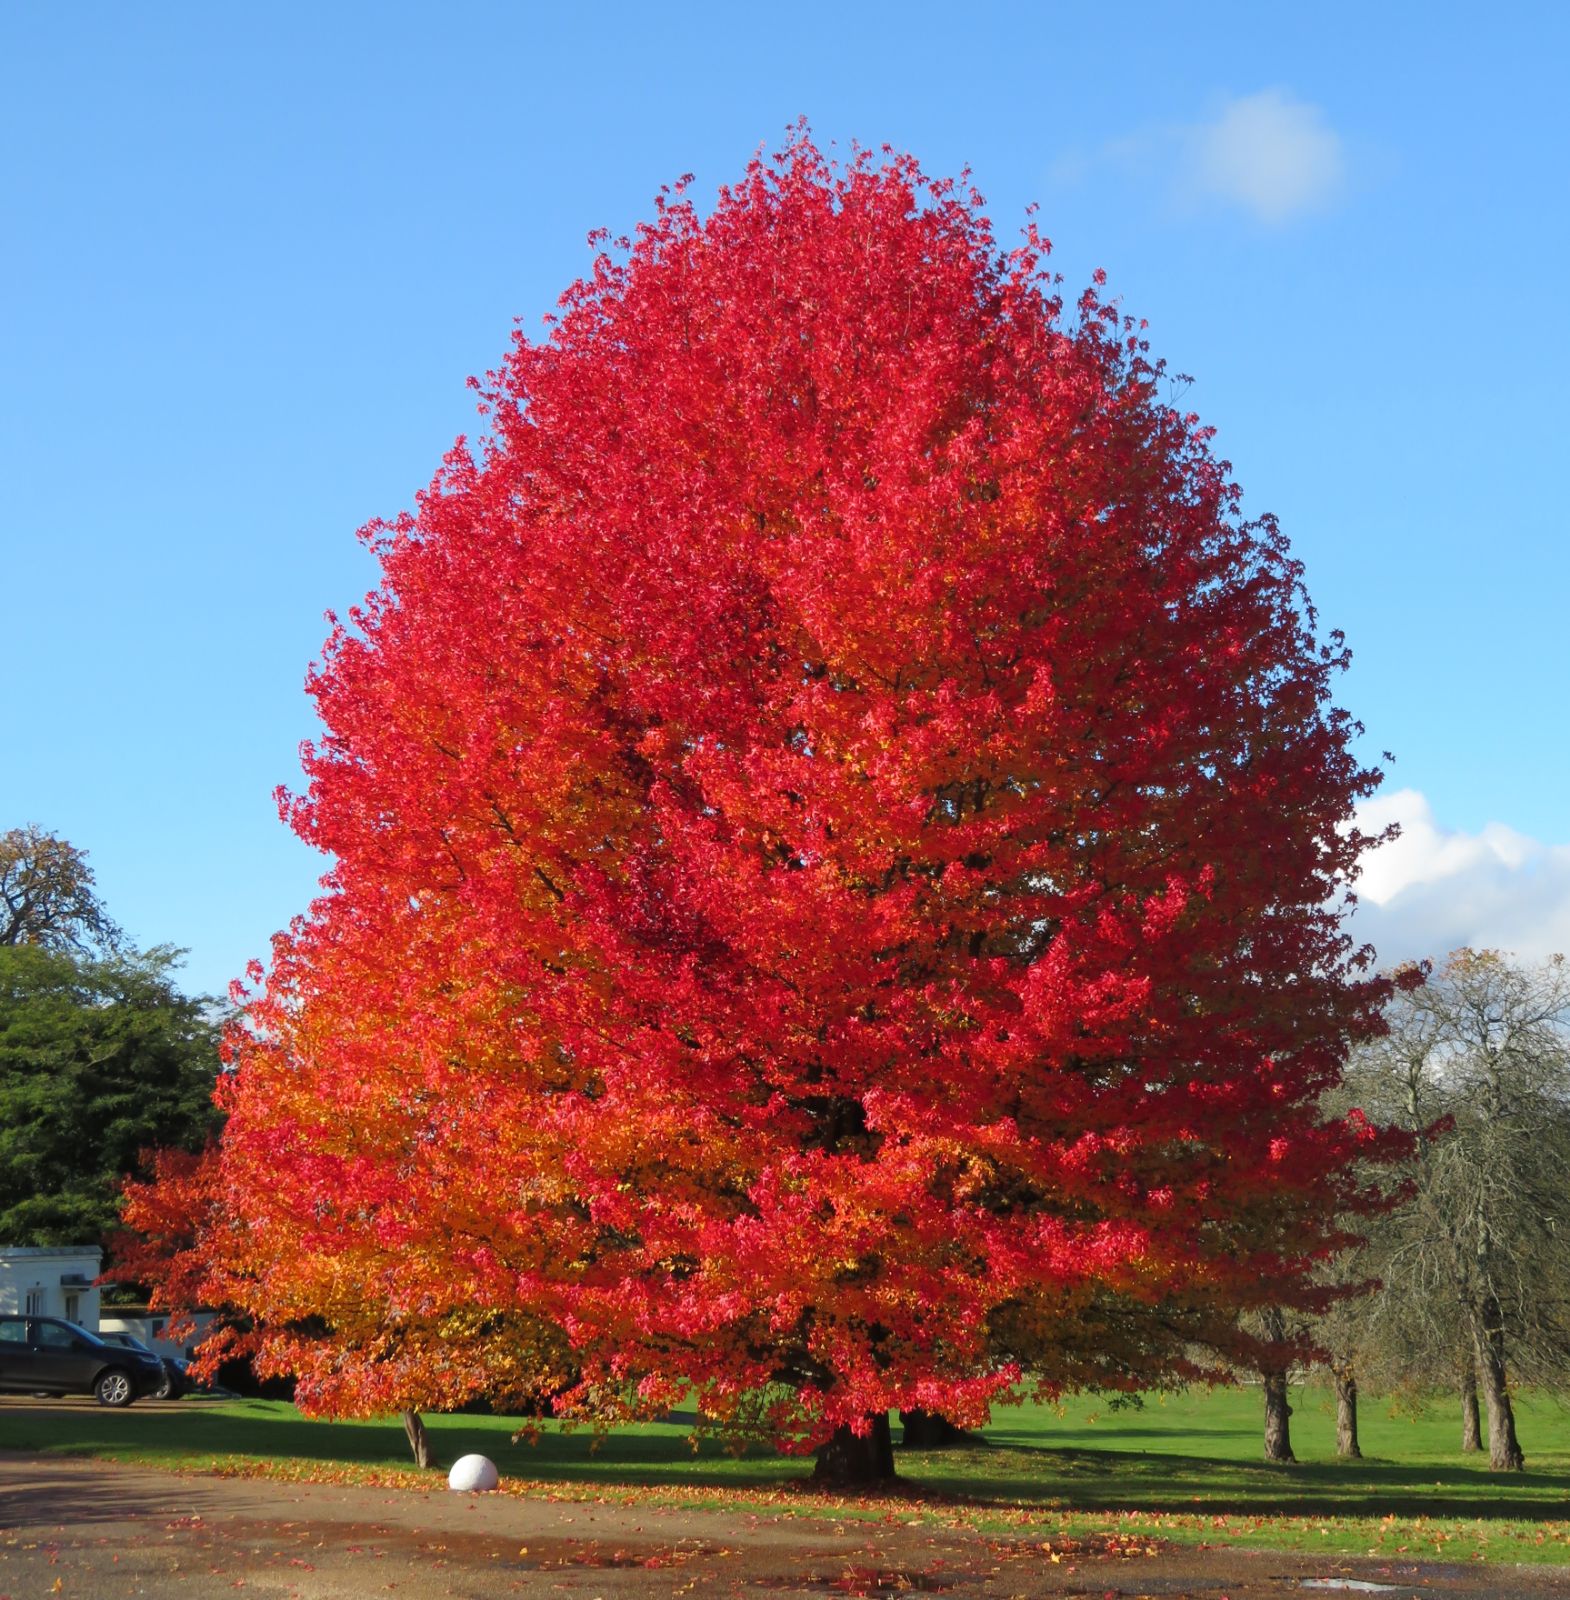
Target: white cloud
1269,153
1436,888
1274,156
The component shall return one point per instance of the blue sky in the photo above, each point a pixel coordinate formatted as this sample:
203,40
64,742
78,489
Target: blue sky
250,258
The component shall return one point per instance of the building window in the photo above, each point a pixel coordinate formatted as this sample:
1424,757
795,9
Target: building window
35,1302
73,1306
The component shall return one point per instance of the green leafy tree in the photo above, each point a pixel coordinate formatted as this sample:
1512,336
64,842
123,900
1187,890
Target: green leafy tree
101,1058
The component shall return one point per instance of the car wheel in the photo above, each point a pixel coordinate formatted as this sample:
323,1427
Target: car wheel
113,1388
165,1389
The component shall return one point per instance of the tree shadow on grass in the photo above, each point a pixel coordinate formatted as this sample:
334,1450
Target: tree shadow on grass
1063,1437
270,1432
661,1456
1119,1480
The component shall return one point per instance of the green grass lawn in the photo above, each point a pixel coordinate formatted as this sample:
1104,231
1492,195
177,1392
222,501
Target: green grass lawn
1185,1467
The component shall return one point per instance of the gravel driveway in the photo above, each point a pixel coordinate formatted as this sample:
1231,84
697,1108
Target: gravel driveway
100,1531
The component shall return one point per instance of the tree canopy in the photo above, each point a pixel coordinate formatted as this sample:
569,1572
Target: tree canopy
48,896
835,819
100,1060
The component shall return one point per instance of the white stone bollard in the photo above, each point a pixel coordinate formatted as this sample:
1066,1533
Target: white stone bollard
472,1474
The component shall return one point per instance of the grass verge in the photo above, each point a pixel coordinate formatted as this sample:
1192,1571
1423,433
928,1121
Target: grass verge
1184,1468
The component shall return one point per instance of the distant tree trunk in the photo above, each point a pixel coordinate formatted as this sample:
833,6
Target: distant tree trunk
1488,1339
927,1430
419,1439
1471,1431
849,1458
1346,1412
1278,1432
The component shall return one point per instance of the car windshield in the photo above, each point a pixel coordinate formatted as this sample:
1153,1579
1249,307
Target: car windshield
128,1340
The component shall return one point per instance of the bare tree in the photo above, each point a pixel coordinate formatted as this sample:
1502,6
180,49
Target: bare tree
1471,1426
1476,1066
1341,1333
47,896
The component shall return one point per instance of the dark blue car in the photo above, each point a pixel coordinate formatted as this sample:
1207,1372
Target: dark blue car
44,1355
175,1383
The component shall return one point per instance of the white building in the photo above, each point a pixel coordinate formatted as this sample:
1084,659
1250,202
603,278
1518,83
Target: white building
51,1281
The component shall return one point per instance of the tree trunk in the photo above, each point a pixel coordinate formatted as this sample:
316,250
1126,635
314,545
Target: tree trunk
1488,1340
419,1439
1278,1432
849,1458
1471,1432
1346,1413
927,1430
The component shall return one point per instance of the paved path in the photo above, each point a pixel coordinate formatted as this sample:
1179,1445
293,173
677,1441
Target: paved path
87,1530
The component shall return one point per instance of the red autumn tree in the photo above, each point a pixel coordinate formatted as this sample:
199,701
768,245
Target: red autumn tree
835,821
